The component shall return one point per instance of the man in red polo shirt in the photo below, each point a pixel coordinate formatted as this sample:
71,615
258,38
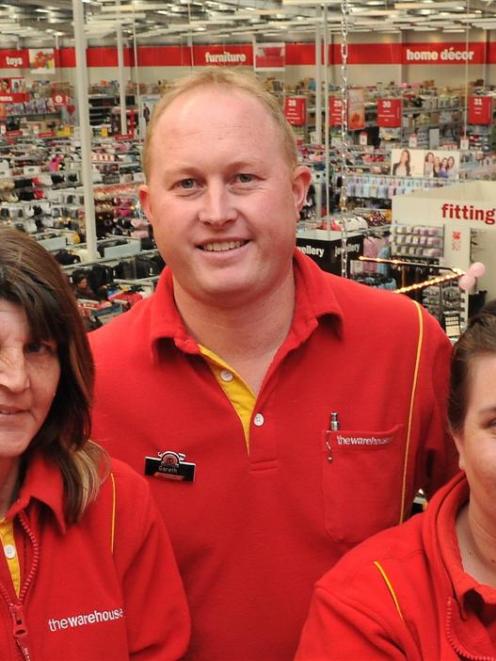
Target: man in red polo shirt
282,414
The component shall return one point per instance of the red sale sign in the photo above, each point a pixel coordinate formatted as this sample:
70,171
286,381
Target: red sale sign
389,113
480,110
335,110
295,110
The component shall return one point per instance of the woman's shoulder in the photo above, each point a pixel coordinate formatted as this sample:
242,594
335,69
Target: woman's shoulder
368,563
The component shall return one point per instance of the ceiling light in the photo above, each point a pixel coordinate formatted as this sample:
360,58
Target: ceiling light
43,11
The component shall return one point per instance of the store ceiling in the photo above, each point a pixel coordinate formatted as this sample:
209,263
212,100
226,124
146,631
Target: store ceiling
31,22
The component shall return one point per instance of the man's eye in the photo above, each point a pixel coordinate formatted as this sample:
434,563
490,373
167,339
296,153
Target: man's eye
187,184
244,178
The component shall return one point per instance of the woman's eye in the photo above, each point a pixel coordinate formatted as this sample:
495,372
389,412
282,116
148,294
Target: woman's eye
40,347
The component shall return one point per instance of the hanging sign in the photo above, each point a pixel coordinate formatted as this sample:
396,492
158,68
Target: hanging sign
356,109
60,100
335,109
270,56
42,60
295,110
389,113
480,110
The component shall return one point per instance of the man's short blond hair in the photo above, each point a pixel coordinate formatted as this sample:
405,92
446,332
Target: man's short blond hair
223,78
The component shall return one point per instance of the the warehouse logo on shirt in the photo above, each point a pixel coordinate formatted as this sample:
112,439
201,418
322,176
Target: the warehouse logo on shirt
81,620
363,440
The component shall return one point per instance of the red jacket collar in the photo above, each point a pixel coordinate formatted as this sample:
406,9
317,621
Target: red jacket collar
314,299
42,482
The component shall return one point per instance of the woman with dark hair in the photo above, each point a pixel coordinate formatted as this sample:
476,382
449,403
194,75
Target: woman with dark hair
402,167
88,571
426,590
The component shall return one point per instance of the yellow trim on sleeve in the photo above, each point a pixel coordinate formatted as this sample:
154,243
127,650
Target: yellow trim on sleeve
238,392
389,587
7,538
412,405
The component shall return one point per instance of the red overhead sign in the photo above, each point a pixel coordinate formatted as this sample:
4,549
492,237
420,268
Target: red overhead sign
389,113
335,110
13,59
295,110
480,110
270,56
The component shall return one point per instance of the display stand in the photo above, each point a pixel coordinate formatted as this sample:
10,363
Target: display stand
462,210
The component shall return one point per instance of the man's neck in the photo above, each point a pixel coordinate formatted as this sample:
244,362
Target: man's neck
246,336
477,544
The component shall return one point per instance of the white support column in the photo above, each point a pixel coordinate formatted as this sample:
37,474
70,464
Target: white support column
318,85
120,74
84,128
326,114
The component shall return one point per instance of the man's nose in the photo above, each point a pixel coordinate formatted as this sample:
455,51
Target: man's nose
14,373
217,206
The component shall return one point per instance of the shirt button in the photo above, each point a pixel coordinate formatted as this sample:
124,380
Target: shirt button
9,550
226,375
258,420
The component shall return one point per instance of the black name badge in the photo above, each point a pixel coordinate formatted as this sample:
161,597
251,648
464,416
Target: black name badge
170,465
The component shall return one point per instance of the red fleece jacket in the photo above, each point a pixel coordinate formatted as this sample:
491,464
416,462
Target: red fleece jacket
403,594
104,589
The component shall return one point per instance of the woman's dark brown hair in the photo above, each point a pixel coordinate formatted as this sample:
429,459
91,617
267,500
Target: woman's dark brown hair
478,339
31,277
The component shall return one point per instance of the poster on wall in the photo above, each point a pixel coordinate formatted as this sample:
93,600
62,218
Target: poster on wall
42,60
270,56
148,102
430,163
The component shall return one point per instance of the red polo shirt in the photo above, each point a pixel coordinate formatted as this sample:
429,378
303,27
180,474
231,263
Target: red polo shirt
255,530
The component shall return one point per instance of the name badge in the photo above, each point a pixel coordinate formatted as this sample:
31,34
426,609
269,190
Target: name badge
170,465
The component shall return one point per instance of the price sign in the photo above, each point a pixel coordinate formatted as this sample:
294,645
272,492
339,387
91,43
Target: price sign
389,113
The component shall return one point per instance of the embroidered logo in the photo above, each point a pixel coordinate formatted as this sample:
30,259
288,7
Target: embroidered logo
363,440
83,619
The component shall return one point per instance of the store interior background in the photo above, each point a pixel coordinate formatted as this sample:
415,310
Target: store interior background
378,34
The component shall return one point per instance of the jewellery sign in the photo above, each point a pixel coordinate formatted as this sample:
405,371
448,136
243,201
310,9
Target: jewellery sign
295,110
327,253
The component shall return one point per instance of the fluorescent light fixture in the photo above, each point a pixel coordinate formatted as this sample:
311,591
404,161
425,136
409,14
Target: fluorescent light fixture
43,11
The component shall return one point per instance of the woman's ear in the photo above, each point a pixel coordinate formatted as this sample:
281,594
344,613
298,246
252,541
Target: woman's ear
458,439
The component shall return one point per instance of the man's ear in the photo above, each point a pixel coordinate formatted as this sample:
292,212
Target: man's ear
302,178
144,197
